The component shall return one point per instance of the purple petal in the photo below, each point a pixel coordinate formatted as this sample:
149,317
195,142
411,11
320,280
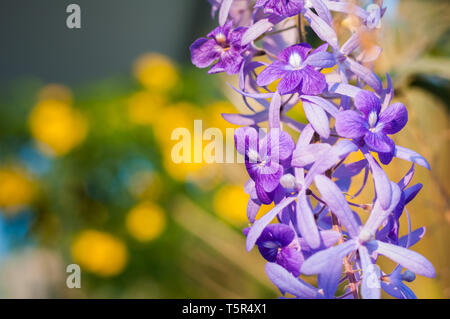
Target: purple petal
308,154
350,124
411,192
410,155
345,89
245,139
252,210
370,286
319,262
224,11
245,119
365,74
317,118
321,60
323,11
326,105
329,278
414,238
394,118
367,102
301,49
286,282
381,181
379,142
322,29
271,73
260,224
306,222
259,28
289,82
204,52
313,82
404,182
378,214
407,258
333,197
267,176
274,112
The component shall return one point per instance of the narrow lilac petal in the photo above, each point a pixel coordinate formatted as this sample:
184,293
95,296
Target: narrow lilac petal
328,280
370,54
313,82
345,89
306,222
404,182
278,145
414,238
406,291
323,11
347,7
388,93
407,258
252,210
317,118
256,96
393,118
305,136
271,73
245,119
378,214
411,156
365,74
350,170
326,105
351,44
411,192
245,139
367,102
350,124
329,237
333,197
322,29
321,60
319,262
381,181
286,282
370,286
260,224
308,154
246,70
379,142
338,152
224,11
274,111
290,82
259,28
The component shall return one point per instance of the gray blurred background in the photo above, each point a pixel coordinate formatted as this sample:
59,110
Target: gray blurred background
35,40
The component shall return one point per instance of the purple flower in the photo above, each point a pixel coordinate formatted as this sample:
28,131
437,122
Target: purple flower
222,45
278,244
298,71
393,283
370,124
285,8
265,159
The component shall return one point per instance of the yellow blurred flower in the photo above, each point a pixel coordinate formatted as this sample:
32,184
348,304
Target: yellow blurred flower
146,221
16,189
57,126
143,107
100,253
230,202
156,72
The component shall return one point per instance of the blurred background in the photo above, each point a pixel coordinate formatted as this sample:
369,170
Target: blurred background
86,175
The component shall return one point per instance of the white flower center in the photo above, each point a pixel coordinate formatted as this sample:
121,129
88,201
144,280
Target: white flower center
295,60
288,181
373,118
365,236
252,156
220,38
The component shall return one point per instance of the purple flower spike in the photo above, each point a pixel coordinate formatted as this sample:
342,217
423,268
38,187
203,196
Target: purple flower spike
277,244
370,124
298,71
222,45
285,8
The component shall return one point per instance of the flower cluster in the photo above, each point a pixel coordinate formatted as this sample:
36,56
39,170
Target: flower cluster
318,230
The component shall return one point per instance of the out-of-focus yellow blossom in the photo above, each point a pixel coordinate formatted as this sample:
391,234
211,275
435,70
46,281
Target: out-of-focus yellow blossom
230,202
214,117
16,189
146,221
57,126
100,253
156,72
144,107
145,184
57,92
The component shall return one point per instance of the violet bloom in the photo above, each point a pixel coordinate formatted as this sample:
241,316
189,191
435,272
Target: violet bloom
371,125
265,159
284,8
298,71
223,45
278,244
